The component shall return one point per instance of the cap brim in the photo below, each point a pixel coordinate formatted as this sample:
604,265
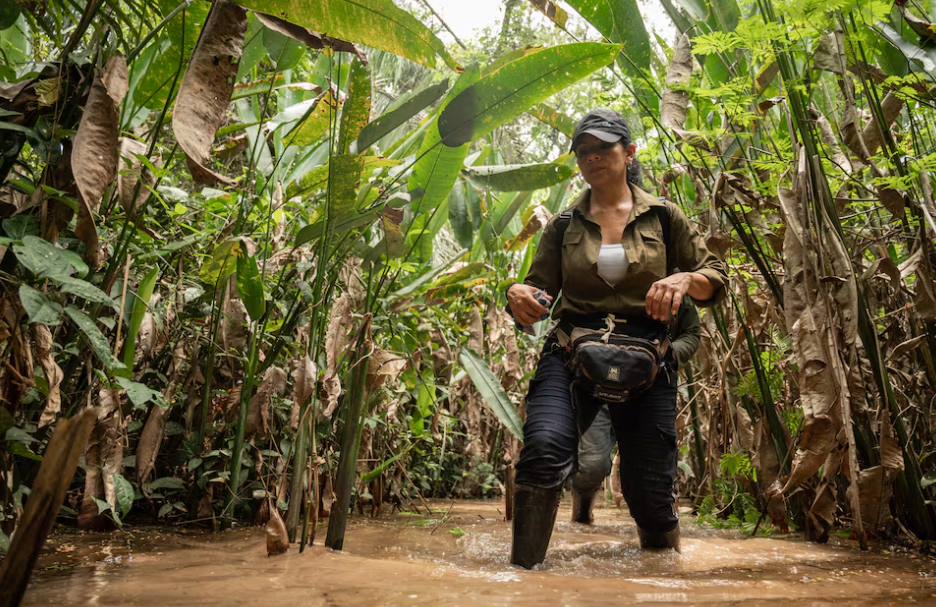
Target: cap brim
603,135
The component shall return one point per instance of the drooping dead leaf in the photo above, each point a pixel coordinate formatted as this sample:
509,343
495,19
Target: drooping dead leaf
336,335
891,453
303,387
512,371
94,156
384,368
308,37
258,412
875,487
441,357
53,374
920,26
907,346
821,515
475,331
233,331
675,97
277,540
830,54
872,135
206,88
150,441
133,193
539,217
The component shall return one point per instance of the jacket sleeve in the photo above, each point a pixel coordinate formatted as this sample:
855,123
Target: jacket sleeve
687,333
546,269
691,254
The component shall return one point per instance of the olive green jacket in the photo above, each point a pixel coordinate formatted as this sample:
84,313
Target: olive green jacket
571,267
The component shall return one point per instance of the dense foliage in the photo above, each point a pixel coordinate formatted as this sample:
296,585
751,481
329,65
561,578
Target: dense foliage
270,249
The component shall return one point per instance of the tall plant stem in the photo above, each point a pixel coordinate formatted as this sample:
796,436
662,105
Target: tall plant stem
215,324
246,392
350,441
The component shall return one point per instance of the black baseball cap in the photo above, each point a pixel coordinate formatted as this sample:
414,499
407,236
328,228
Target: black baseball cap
604,124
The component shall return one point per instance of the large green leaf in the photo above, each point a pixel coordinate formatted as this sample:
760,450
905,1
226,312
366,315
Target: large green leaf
557,120
317,178
399,114
356,110
921,58
97,341
309,119
437,165
491,391
124,493
500,97
250,286
459,217
86,290
42,258
618,21
376,23
139,304
40,308
343,179
223,262
519,177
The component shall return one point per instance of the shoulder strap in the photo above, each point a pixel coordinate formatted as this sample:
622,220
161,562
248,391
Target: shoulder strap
562,224
664,217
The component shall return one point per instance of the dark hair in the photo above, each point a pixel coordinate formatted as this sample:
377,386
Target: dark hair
634,172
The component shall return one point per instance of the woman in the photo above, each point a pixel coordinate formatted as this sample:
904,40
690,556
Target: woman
609,258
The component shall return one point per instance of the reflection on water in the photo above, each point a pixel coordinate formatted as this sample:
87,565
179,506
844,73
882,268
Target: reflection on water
463,561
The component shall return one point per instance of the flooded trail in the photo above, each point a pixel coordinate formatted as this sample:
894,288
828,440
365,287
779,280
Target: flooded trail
463,561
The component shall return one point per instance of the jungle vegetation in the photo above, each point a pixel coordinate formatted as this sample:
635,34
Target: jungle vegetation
268,250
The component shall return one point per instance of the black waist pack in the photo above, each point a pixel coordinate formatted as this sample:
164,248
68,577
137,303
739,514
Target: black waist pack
613,366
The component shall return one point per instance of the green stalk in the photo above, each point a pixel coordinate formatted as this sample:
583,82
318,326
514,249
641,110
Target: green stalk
215,323
246,393
350,442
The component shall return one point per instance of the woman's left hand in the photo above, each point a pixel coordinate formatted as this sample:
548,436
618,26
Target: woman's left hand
665,295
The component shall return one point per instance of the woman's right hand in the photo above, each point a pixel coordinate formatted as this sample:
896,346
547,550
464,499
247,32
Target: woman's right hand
522,300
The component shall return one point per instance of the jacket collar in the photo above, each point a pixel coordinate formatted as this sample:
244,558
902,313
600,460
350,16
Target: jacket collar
643,201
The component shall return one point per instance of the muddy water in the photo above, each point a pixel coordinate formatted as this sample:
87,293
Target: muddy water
463,561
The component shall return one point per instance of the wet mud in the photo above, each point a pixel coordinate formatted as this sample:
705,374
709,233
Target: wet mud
462,560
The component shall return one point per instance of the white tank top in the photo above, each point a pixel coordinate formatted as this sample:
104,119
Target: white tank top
612,263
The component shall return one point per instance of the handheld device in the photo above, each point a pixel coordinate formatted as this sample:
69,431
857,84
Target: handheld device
541,300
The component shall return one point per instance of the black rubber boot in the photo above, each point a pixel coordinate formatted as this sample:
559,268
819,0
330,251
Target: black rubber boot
582,505
533,518
659,541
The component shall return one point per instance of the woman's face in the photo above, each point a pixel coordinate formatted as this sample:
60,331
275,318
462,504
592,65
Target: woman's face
602,163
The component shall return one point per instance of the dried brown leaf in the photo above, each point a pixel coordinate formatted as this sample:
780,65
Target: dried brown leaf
384,368
475,331
233,325
258,412
875,489
206,88
676,100
150,441
277,540
53,374
94,155
308,37
891,453
303,387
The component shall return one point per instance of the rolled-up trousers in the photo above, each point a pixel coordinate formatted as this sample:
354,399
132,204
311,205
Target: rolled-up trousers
645,428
